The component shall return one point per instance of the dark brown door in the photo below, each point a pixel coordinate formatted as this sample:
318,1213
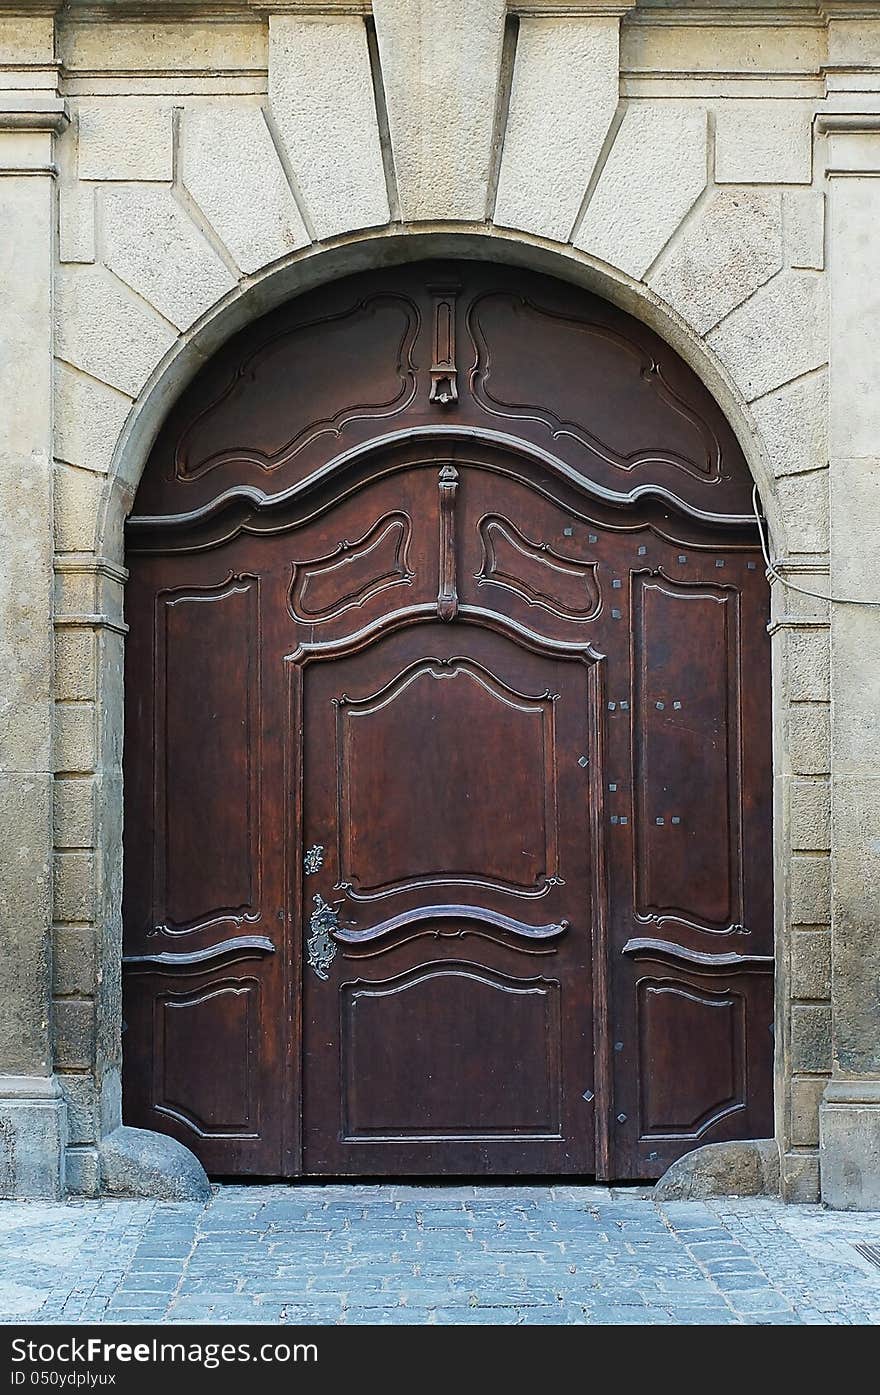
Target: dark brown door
447,843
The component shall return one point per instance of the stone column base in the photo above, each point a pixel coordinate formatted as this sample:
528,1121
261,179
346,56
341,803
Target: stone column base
33,1136
849,1145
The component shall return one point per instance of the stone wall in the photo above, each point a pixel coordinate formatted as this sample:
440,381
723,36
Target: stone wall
206,162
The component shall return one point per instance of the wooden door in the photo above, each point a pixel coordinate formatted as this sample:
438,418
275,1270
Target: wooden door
447,748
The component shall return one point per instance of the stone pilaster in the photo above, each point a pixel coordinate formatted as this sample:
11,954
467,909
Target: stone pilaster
32,1112
850,1112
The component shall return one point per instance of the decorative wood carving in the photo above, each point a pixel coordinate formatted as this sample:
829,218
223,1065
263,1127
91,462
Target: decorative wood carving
492,1017
444,378
535,572
227,951
447,594
427,914
684,1097
300,408
228,1010
353,572
618,384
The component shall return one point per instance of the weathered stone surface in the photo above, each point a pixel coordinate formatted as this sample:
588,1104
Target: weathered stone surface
810,890
810,1038
79,1096
810,815
107,332
321,94
74,879
793,422
88,419
803,222
749,1168
849,1127
154,246
83,1172
780,333
803,505
74,1030
563,98
138,1162
231,168
440,69
731,246
25,915
855,488
763,142
74,813
183,45
806,1096
75,667
73,960
33,1127
123,139
855,942
76,509
75,749
655,171
800,1177
811,964
809,744
807,666
76,222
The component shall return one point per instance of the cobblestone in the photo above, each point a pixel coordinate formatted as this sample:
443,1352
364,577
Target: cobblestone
391,1254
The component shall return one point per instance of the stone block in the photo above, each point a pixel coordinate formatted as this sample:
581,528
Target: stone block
806,1096
76,222
802,501
808,666
810,1038
811,965
856,944
764,141
76,509
779,333
855,648
83,1172
855,491
74,1032
730,247
853,219
563,98
123,139
74,886
26,39
25,914
105,331
74,961
800,1177
809,739
793,423
810,890
748,1168
655,172
79,1095
810,815
152,244
141,46
230,166
803,223
849,1131
33,1128
138,1162
75,745
75,664
440,71
321,96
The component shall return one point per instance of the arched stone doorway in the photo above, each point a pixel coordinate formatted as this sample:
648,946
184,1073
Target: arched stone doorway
448,829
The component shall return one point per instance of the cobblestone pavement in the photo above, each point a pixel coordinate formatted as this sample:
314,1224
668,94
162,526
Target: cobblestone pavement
436,1254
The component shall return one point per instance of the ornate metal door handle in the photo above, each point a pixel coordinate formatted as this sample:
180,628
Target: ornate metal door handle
321,950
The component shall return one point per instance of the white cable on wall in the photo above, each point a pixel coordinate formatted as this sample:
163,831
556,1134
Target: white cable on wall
777,575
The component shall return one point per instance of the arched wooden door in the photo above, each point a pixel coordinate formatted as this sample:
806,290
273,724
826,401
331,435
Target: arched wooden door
448,780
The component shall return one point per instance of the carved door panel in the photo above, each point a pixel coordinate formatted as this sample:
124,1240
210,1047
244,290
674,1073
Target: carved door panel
447,1013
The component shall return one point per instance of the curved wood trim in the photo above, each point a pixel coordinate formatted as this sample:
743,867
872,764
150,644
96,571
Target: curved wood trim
259,500
239,947
419,915
665,949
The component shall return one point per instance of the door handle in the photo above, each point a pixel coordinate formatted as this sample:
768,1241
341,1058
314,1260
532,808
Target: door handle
320,948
